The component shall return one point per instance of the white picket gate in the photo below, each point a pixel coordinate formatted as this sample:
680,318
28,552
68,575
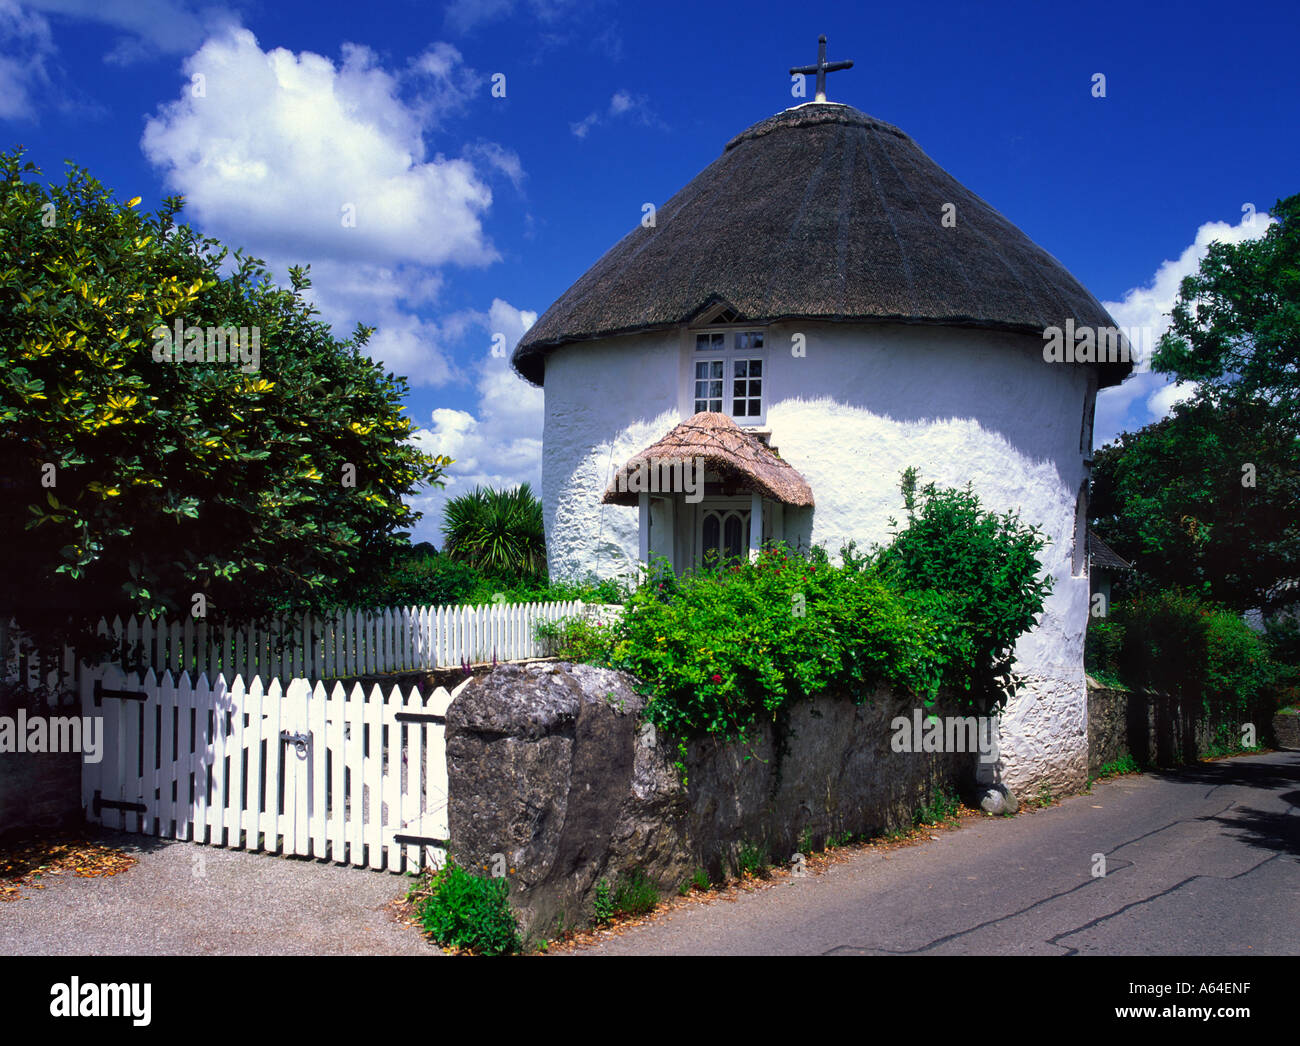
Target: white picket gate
353,777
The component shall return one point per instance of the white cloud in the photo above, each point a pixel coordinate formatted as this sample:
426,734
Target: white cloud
25,48
148,27
464,16
501,445
328,160
581,127
499,158
1148,309
1163,399
621,103
299,159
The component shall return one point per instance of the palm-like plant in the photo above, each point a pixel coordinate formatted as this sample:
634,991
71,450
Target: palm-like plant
498,531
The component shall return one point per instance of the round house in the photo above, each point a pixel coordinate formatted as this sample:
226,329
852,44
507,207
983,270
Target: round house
820,308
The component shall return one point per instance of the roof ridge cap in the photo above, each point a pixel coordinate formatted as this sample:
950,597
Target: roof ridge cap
812,114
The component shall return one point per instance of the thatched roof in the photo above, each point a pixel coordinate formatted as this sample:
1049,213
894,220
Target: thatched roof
820,212
1103,556
736,455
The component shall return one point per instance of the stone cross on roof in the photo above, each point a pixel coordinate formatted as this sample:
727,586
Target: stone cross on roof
821,69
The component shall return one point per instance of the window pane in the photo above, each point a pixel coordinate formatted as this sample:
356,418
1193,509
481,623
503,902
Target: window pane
702,369
715,388
734,539
701,388
738,408
756,340
738,388
715,369
715,406
710,532
740,368
719,341
755,388
755,368
701,342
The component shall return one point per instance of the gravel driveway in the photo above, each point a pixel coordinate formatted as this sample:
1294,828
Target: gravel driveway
184,899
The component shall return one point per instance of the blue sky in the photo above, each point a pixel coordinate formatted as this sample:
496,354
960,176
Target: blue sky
473,212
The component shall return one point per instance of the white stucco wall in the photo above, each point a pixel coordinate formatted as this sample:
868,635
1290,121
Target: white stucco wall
864,402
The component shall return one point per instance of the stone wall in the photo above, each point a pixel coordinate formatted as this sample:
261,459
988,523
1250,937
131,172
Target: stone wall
1155,729
550,767
39,791
1286,729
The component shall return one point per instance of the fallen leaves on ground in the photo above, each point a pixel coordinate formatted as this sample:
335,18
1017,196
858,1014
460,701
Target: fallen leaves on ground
27,863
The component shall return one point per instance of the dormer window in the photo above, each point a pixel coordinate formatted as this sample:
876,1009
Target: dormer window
728,369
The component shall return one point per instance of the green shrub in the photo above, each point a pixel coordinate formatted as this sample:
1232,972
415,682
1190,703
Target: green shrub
465,910
986,569
421,576
1239,674
1103,650
1177,643
725,648
575,639
632,894
602,902
941,808
635,894
1282,637
1125,764
752,859
428,580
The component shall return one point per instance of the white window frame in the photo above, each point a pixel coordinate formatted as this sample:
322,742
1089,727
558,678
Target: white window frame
728,356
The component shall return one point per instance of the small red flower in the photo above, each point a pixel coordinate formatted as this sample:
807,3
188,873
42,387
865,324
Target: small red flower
717,678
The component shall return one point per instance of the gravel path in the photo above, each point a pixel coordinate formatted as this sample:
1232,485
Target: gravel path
184,899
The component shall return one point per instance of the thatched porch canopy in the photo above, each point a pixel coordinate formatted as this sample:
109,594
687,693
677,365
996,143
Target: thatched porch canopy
724,448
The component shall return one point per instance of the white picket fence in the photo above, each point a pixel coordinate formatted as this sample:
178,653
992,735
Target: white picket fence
348,644
353,777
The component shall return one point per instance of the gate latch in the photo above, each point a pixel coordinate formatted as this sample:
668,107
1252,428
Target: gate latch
299,741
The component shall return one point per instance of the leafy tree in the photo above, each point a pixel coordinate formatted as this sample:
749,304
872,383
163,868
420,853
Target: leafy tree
131,483
1235,329
1175,500
497,531
1205,499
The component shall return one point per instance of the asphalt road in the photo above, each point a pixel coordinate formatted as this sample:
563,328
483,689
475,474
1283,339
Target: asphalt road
1205,861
